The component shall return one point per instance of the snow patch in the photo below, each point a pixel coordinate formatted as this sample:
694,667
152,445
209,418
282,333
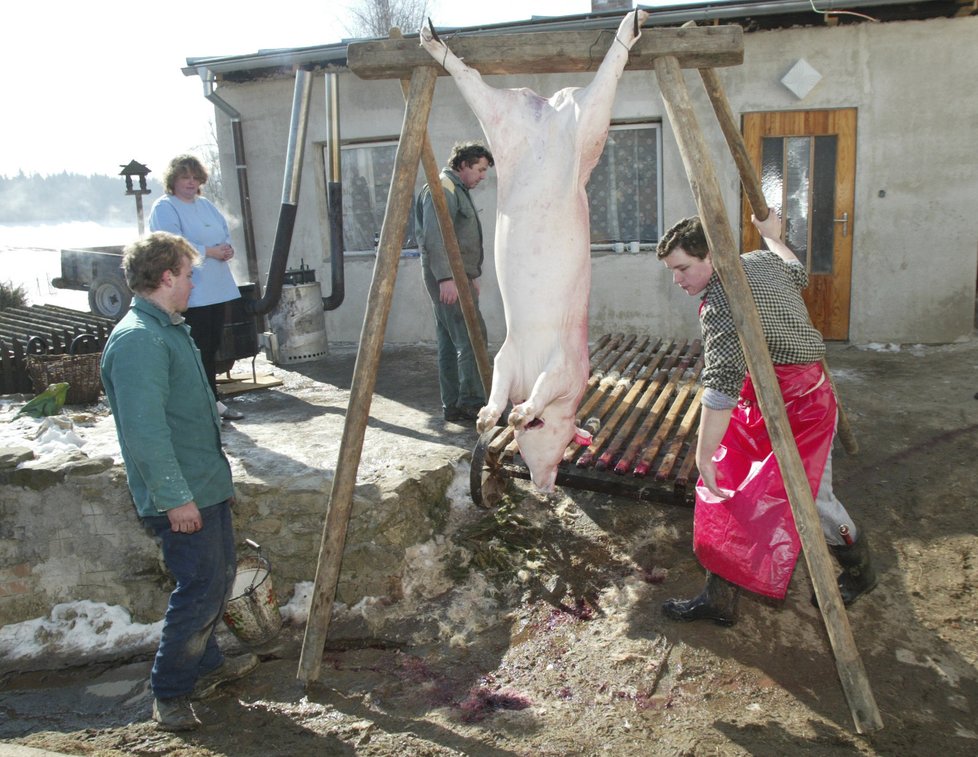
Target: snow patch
296,610
81,630
880,347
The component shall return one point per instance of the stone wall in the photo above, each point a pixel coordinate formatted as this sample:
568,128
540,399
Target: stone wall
68,532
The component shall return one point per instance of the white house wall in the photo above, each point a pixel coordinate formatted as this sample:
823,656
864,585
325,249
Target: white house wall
915,223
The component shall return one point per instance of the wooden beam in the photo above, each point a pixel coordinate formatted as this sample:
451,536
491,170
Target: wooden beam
709,202
551,52
755,196
399,203
465,300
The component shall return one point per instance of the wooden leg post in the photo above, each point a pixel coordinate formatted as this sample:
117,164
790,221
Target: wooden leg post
465,299
755,196
399,203
709,202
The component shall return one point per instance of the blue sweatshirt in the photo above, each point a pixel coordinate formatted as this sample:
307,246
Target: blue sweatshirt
201,224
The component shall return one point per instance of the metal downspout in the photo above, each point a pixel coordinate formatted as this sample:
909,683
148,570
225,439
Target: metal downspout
290,194
241,167
334,194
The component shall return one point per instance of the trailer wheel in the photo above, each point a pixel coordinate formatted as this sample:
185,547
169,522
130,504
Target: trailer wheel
108,296
487,480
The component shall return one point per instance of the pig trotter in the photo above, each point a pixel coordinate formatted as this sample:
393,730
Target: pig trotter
487,419
524,417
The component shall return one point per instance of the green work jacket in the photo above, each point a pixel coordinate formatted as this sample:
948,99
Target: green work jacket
165,414
465,219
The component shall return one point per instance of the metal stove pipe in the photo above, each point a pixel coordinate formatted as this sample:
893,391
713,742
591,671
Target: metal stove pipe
334,193
290,194
241,167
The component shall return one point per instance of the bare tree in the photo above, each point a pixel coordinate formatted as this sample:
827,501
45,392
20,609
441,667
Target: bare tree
210,156
375,18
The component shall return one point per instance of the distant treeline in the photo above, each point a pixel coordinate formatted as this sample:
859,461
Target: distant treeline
71,197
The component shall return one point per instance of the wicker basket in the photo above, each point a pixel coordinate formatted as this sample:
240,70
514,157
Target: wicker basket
81,372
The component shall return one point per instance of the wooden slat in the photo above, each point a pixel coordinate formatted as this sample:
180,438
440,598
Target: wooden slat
689,421
551,52
665,427
466,302
610,423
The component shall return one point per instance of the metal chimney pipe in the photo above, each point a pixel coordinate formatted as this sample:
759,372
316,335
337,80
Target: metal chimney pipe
290,194
241,167
334,193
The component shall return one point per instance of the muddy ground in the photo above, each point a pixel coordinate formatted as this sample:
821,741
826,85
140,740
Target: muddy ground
553,642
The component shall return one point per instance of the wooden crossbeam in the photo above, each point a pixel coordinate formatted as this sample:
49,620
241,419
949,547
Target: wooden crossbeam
551,52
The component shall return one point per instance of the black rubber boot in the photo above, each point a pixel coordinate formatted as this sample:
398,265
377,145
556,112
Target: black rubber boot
858,576
717,602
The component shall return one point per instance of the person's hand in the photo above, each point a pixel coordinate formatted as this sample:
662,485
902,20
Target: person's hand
477,283
220,252
708,472
447,292
185,519
770,227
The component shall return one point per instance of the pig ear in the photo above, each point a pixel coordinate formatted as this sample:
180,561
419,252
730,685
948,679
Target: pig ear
635,19
431,28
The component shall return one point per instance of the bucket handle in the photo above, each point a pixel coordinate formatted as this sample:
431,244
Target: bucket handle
257,547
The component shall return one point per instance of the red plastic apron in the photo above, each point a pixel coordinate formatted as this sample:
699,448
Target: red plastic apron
750,539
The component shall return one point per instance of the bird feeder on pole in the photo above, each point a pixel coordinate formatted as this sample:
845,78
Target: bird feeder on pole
136,169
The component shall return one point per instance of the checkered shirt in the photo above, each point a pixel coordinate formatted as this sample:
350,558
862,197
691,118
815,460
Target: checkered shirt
791,338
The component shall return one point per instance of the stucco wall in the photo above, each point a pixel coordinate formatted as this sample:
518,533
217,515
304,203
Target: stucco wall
915,248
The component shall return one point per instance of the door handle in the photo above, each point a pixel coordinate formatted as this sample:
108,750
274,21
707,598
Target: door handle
845,223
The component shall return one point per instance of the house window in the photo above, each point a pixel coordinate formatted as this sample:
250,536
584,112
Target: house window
367,169
625,190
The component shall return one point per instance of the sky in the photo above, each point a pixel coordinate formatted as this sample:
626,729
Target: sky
89,86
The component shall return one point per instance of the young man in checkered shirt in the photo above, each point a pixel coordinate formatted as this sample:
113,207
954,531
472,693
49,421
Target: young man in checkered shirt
743,531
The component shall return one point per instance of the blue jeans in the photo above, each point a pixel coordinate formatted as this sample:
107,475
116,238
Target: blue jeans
203,565
458,373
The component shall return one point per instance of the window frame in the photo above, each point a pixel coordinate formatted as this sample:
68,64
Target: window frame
366,143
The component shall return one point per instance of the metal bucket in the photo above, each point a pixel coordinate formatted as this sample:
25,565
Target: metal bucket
252,613
299,325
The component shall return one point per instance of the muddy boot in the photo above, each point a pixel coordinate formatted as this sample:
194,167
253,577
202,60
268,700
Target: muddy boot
858,575
717,602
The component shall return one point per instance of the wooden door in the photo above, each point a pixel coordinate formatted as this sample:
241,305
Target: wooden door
806,161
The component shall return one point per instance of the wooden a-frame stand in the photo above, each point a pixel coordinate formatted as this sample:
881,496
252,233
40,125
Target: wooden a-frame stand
667,52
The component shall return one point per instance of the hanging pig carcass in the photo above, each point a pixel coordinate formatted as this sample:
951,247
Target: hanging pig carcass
545,150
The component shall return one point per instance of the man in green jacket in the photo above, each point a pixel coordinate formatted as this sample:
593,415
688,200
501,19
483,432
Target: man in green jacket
461,388
170,437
